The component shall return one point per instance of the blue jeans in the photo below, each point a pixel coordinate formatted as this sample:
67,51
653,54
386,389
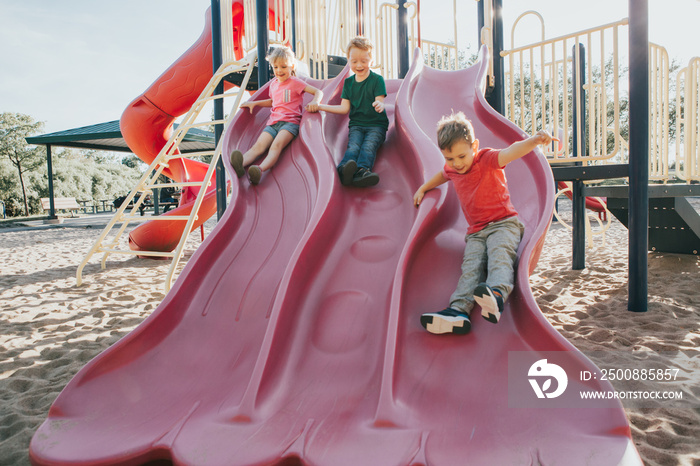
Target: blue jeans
363,144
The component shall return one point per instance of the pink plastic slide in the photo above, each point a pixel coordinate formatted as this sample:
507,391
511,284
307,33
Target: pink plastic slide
292,337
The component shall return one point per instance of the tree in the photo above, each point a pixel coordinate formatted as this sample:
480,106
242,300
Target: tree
87,175
14,128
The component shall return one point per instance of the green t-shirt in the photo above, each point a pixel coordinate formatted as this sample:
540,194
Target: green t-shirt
361,96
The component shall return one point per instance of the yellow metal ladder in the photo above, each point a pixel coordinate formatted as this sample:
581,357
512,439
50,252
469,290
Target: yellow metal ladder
148,181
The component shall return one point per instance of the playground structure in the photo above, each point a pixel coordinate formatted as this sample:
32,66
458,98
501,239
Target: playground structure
292,335
549,86
259,380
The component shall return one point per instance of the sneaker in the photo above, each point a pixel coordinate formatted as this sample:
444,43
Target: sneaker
237,163
346,172
254,174
364,178
491,302
446,321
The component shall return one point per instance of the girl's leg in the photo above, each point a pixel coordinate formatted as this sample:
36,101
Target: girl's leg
264,141
282,140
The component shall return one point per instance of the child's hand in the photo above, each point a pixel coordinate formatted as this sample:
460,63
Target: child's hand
543,137
418,197
312,107
250,105
378,106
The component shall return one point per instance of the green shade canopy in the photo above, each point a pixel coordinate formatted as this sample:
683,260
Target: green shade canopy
107,136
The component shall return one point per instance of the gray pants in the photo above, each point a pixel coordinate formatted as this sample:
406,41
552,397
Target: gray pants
488,257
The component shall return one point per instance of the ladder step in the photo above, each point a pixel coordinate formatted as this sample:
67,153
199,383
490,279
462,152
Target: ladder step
173,185
201,124
188,155
137,253
156,217
219,96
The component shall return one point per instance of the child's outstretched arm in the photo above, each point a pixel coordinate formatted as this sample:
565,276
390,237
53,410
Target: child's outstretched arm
342,109
313,106
520,148
432,183
251,104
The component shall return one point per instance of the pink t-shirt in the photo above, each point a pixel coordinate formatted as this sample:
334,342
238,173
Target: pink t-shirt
482,191
287,99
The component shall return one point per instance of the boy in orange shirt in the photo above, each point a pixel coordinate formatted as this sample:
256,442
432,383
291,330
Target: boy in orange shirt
494,232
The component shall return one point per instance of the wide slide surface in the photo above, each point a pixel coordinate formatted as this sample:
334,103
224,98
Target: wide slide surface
293,335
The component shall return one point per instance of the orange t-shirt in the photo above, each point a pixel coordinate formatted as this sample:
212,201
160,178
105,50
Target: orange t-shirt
482,191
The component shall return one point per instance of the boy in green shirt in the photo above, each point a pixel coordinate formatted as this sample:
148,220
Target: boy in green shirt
363,97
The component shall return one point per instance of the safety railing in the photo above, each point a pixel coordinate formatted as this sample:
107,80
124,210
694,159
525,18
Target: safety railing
384,39
486,38
383,34
440,55
312,36
325,27
659,93
548,80
688,121
342,25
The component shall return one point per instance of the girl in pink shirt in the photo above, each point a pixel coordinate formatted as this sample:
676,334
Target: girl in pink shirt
286,99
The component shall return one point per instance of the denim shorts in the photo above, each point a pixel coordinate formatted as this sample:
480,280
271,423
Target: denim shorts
275,128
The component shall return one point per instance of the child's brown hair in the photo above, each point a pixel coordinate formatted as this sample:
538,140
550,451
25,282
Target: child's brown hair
282,53
454,128
361,43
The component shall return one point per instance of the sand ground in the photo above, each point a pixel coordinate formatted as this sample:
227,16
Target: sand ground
49,328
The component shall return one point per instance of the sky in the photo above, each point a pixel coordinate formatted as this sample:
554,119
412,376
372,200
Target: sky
73,63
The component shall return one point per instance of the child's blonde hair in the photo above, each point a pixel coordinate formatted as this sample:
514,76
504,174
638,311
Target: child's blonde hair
282,53
454,128
361,43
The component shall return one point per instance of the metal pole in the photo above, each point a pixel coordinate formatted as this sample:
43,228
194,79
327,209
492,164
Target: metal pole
497,97
482,21
360,20
156,201
294,25
638,220
402,38
217,58
579,138
52,207
262,13
419,41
